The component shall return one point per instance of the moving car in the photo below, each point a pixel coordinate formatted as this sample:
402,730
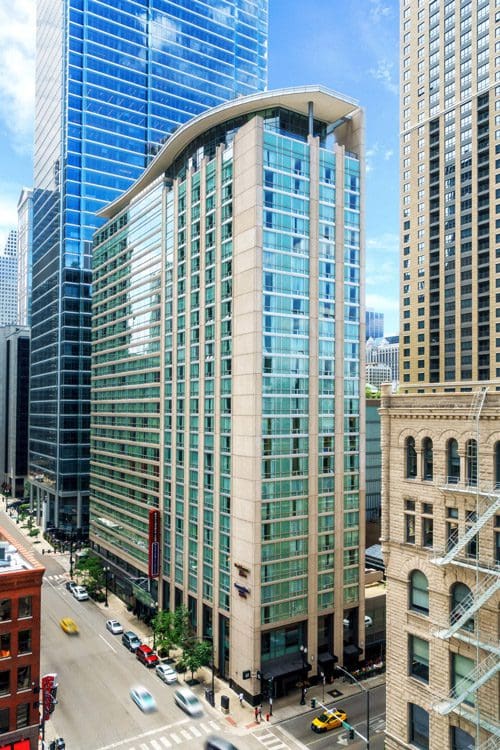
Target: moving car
114,627
80,593
143,699
146,656
70,586
187,700
69,626
166,673
219,743
131,640
328,720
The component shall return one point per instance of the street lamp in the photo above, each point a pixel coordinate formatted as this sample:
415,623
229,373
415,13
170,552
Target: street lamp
303,652
341,669
323,680
106,571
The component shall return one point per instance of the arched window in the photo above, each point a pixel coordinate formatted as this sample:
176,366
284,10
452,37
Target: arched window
419,592
453,460
411,458
471,462
427,459
497,464
461,598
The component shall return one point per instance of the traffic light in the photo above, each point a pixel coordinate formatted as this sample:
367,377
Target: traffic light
351,733
313,702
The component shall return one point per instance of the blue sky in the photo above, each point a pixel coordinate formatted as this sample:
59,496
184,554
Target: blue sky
350,46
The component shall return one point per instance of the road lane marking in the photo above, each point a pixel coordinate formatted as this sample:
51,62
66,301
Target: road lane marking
175,738
165,742
144,734
186,734
155,744
196,732
107,643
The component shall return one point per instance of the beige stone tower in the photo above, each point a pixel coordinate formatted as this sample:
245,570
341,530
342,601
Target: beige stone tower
440,433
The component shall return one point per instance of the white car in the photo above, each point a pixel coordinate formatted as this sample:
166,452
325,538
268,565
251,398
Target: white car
188,701
114,627
80,593
143,698
166,673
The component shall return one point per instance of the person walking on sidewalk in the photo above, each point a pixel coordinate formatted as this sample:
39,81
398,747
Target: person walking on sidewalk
260,713
256,714
240,698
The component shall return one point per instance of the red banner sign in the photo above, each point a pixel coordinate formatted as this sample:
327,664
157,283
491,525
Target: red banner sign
48,685
154,543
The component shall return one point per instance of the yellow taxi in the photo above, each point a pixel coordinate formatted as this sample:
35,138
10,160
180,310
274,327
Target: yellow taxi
328,720
69,626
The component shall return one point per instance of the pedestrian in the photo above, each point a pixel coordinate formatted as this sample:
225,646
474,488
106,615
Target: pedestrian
260,713
241,696
256,714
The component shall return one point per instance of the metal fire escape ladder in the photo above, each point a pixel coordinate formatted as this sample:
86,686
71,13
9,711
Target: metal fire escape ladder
470,605
492,503
481,673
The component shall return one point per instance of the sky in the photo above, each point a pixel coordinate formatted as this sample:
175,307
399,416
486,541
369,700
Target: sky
350,46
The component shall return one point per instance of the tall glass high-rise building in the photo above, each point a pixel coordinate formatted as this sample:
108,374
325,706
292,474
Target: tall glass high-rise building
227,322
112,82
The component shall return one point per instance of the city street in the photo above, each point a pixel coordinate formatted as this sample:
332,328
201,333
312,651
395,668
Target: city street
96,672
355,706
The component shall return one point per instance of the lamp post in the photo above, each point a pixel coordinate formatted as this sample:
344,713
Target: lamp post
212,664
323,680
341,669
106,571
303,652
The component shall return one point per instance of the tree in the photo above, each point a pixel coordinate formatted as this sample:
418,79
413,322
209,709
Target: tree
196,654
92,571
164,631
182,626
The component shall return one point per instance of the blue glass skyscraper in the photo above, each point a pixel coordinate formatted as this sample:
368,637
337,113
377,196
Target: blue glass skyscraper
113,81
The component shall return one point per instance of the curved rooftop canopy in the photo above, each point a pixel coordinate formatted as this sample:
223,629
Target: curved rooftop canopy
328,107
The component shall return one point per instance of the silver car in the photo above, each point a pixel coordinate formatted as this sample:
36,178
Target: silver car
188,701
166,673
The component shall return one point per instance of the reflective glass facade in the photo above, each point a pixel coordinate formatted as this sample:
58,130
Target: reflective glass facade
226,330
112,82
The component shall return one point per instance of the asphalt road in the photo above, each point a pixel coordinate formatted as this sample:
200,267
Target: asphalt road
355,707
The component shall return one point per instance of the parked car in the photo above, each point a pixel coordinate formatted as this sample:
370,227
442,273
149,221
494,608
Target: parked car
328,720
146,656
80,593
187,700
70,586
166,673
114,627
69,626
143,698
131,640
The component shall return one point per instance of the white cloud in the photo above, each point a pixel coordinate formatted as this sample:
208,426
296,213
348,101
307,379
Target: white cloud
17,72
388,153
378,10
383,72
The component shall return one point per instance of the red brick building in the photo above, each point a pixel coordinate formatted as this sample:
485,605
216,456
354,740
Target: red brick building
20,610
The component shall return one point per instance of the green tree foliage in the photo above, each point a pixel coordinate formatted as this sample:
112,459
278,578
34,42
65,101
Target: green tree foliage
163,629
196,654
182,627
91,569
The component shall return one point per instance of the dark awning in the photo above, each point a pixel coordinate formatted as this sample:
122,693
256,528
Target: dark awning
352,650
326,658
285,665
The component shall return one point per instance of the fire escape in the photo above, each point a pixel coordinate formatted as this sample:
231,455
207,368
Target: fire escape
463,550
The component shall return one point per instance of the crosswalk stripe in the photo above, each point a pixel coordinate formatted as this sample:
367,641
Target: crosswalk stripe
156,745
195,731
144,747
186,734
204,728
165,742
176,739
214,725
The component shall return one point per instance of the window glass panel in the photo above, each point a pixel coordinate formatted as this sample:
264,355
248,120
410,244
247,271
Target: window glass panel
4,720
24,641
419,592
419,658
22,715
5,609
4,645
5,682
24,677
419,727
25,606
